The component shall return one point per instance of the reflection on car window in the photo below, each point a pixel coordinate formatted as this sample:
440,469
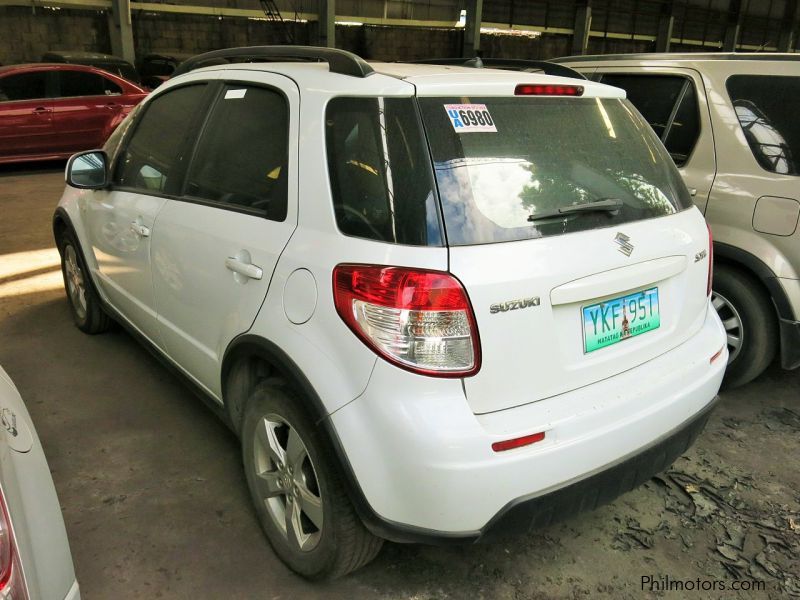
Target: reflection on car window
769,119
23,86
152,160
380,171
546,154
242,156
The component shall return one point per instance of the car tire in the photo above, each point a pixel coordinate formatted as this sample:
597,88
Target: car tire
87,312
750,322
324,537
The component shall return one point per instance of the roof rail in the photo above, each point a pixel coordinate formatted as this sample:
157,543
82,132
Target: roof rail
340,61
511,64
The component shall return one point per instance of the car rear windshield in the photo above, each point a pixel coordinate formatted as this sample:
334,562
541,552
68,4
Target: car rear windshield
769,119
503,164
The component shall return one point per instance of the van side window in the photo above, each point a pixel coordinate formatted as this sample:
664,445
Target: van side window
669,104
153,160
242,158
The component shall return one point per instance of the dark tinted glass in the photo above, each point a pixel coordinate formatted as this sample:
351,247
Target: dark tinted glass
766,106
80,83
653,95
380,171
685,128
538,155
242,157
154,158
24,86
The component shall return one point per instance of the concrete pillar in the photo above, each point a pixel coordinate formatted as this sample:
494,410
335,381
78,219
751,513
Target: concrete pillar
583,23
325,30
472,29
666,22
733,27
120,29
786,38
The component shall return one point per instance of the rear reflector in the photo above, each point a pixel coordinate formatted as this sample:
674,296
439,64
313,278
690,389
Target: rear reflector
526,440
538,89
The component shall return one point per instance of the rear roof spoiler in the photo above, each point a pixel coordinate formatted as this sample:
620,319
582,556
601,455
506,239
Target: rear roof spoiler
339,61
509,64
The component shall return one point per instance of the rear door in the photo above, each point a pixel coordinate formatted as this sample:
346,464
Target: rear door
26,115
563,302
215,248
673,101
85,104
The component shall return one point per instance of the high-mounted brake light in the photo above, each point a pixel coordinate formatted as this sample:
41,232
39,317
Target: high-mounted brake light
419,320
12,584
539,89
710,260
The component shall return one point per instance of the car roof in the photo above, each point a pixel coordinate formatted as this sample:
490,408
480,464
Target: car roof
45,66
680,56
432,80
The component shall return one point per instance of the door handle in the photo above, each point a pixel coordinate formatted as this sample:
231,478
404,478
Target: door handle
140,230
241,267
41,110
112,105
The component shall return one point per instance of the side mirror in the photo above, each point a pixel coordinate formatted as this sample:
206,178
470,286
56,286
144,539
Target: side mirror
88,170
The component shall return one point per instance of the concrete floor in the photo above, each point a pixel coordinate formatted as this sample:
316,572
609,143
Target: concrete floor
156,504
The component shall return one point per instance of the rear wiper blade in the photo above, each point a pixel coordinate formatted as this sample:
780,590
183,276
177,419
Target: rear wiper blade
610,205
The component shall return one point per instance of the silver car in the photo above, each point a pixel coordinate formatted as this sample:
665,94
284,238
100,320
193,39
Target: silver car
35,561
730,123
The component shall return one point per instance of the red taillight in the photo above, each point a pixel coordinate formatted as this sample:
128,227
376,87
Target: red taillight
710,261
12,584
547,89
526,440
419,320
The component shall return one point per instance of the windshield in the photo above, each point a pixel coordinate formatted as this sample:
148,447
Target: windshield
515,159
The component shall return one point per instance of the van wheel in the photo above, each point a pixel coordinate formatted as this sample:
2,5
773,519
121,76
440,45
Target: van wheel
83,301
749,319
297,490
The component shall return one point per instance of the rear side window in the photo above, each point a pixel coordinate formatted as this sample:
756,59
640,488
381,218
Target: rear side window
380,171
669,104
243,154
767,113
83,83
153,160
540,155
23,86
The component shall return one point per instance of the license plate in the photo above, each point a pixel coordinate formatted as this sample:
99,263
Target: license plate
610,322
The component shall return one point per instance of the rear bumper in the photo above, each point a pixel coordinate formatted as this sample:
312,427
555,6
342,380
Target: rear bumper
790,344
422,469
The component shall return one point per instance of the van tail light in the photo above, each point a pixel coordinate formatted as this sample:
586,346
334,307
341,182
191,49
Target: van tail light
710,260
547,89
421,321
12,583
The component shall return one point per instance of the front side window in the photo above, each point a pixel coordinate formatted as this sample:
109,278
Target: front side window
380,171
154,158
242,157
84,83
534,156
669,104
767,113
23,86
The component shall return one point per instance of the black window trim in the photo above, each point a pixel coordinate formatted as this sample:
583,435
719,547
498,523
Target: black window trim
688,80
219,86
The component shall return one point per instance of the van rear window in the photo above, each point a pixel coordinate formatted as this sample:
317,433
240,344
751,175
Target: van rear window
541,155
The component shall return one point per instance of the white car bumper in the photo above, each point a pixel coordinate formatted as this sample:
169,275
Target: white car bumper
426,471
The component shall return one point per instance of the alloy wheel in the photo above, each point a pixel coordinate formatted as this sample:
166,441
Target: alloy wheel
76,286
732,321
286,482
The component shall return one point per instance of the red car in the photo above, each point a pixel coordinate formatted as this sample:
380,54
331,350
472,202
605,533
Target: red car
51,111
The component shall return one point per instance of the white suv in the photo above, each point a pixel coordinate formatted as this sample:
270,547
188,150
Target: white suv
435,304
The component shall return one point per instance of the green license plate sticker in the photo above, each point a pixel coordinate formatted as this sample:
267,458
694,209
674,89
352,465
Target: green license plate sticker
613,321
